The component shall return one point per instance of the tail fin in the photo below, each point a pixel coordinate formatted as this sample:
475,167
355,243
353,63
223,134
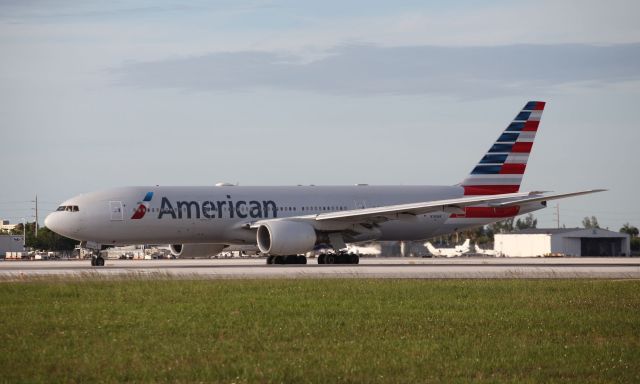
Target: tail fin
433,250
464,248
502,168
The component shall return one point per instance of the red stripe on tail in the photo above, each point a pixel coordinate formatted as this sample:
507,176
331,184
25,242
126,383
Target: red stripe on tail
539,106
522,147
512,169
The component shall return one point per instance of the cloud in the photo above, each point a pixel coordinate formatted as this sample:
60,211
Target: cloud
362,70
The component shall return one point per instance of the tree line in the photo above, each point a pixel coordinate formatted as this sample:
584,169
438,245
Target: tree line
51,241
46,239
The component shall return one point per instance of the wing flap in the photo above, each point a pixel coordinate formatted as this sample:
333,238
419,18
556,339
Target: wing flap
537,198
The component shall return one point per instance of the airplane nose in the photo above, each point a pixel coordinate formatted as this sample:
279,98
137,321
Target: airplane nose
62,224
50,222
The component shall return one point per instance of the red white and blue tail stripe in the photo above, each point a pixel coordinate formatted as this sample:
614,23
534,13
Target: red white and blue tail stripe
502,168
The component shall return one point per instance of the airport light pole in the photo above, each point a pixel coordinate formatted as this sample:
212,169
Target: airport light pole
24,234
36,209
36,229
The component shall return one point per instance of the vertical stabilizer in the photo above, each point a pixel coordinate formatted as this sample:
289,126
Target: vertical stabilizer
502,168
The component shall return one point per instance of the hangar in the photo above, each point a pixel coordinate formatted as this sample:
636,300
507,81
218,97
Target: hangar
11,243
562,242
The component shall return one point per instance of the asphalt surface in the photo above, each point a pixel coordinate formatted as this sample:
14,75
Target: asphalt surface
411,268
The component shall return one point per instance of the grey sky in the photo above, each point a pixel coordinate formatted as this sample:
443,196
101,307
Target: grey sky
97,94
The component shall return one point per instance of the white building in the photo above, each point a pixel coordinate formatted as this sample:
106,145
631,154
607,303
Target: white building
5,225
562,242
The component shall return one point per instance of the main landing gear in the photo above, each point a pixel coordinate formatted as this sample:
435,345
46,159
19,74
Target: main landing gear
97,261
324,258
290,259
338,258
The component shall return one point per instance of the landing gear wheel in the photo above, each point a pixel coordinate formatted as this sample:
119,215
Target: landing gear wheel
99,262
355,259
330,258
302,260
93,261
321,259
270,259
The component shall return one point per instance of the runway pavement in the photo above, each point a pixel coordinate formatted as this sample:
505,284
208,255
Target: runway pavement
410,268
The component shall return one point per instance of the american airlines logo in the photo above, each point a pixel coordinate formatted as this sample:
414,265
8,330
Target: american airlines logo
143,207
217,209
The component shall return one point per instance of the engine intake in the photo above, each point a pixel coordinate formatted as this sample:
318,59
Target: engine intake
286,237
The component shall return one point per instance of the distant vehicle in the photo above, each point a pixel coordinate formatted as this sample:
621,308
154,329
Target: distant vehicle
480,251
126,256
40,256
365,249
456,251
284,222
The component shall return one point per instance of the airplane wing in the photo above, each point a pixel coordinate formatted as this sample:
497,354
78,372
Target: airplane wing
394,212
391,212
541,197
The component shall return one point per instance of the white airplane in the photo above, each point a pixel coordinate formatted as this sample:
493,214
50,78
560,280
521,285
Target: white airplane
458,250
285,222
480,251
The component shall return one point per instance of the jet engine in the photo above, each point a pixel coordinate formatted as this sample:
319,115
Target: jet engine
286,237
190,251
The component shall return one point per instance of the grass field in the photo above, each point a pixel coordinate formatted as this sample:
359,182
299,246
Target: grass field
326,331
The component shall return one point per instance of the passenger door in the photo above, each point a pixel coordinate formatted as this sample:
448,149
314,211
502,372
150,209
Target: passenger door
115,208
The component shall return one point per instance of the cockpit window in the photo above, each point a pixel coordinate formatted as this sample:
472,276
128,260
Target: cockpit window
68,208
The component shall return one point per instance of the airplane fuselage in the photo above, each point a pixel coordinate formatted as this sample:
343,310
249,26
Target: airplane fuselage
223,214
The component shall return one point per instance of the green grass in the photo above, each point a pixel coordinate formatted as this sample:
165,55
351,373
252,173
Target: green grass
320,331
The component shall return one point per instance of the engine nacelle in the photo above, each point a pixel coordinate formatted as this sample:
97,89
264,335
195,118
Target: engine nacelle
286,237
191,251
